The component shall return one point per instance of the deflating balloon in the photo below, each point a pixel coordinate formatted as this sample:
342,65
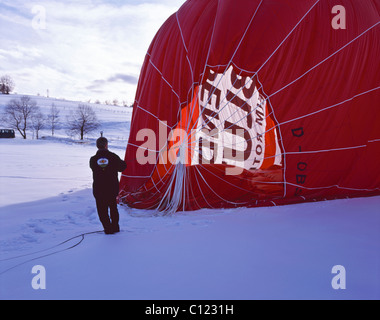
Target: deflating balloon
257,103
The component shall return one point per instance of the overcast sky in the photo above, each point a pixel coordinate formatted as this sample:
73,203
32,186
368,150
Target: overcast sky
79,49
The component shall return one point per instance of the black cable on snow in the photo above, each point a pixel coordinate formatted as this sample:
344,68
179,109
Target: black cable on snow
81,236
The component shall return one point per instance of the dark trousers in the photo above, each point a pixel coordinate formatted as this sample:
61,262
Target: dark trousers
109,221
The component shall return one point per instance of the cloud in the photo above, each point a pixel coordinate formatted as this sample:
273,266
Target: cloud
97,84
83,40
123,77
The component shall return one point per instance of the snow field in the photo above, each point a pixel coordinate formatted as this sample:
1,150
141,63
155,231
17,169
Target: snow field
265,253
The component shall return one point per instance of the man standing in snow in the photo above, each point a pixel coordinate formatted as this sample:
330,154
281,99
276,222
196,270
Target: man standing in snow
105,166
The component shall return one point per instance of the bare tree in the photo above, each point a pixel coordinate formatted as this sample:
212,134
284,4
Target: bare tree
18,114
126,104
38,122
82,121
6,84
53,118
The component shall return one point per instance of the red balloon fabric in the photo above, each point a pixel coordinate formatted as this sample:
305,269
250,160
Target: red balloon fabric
257,103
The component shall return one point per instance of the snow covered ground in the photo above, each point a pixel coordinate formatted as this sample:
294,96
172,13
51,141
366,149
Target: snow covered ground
46,204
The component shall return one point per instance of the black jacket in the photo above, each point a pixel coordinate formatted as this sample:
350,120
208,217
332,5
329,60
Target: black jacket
105,166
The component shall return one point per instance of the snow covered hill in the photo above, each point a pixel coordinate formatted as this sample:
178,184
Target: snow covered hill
115,120
48,218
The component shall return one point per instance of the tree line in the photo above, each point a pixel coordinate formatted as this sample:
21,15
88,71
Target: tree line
7,85
24,115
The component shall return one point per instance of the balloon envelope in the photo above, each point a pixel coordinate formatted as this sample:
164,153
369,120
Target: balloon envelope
257,103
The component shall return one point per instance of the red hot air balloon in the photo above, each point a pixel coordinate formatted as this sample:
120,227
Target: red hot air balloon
257,103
